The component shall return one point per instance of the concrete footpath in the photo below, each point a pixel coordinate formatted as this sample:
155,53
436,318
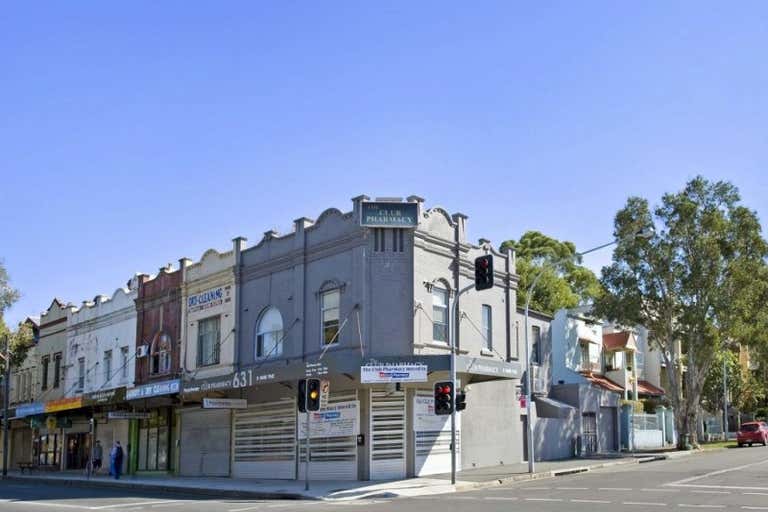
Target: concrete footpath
474,478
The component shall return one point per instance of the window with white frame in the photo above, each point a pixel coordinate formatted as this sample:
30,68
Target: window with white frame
487,327
440,314
269,334
124,362
330,310
107,362
80,374
208,340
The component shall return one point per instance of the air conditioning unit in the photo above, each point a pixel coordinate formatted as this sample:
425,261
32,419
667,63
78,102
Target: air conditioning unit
142,351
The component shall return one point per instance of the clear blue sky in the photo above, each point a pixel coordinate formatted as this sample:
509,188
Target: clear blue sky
133,134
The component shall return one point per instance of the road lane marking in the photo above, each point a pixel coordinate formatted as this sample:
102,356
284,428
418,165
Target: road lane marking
660,490
590,501
688,505
711,492
46,504
754,508
734,487
572,488
499,498
543,499
537,488
614,489
644,503
134,504
718,472
756,493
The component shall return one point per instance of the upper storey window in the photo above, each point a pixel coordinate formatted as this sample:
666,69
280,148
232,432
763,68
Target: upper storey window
208,339
269,334
329,313
160,361
440,314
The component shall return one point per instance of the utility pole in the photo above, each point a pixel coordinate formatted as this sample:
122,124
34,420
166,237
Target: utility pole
725,399
6,389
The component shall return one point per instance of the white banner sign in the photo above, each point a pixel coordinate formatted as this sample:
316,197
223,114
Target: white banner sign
424,417
378,374
127,415
225,403
338,420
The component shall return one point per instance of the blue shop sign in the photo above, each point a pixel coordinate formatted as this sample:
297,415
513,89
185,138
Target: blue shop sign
30,409
166,387
383,214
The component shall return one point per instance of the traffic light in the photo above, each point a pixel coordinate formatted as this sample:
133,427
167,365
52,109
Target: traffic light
443,398
484,272
461,401
313,394
301,398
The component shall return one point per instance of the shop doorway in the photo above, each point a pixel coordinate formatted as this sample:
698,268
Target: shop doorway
78,450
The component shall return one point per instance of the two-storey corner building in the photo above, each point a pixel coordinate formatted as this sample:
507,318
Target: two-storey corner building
101,339
209,342
579,380
157,367
24,392
362,307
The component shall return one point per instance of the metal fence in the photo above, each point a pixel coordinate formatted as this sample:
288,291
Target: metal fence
645,422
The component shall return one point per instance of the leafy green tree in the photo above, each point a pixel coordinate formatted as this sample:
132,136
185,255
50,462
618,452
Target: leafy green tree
564,282
692,284
746,391
19,340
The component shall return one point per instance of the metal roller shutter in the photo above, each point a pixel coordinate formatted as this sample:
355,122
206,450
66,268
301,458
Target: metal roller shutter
332,458
387,416
265,441
205,446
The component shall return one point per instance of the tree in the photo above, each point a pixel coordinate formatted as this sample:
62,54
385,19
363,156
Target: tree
746,392
19,340
691,284
564,283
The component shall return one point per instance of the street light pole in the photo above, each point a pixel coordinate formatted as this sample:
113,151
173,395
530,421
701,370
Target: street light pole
725,398
6,389
644,233
452,335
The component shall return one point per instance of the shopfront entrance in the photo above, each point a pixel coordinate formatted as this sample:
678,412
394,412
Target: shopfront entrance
155,441
78,450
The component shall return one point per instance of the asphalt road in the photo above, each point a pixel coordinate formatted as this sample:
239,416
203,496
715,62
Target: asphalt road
735,479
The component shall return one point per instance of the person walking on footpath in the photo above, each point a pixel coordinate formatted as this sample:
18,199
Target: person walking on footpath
116,460
98,454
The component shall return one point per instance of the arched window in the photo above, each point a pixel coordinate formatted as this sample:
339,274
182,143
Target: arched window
269,334
161,354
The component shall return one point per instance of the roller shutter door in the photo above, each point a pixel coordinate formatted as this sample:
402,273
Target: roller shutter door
265,441
205,443
332,458
432,437
387,417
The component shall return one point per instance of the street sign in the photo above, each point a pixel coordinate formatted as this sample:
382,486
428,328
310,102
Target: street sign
325,391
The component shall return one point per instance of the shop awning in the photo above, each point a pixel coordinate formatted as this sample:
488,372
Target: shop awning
551,408
646,388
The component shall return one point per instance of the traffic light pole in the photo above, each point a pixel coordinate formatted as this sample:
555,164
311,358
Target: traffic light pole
453,378
306,454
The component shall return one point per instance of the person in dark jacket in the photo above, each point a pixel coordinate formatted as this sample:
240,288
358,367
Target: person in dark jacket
116,460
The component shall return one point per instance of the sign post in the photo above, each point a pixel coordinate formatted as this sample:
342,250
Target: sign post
306,448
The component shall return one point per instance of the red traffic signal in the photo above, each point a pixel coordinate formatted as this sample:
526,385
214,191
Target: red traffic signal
443,398
484,272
